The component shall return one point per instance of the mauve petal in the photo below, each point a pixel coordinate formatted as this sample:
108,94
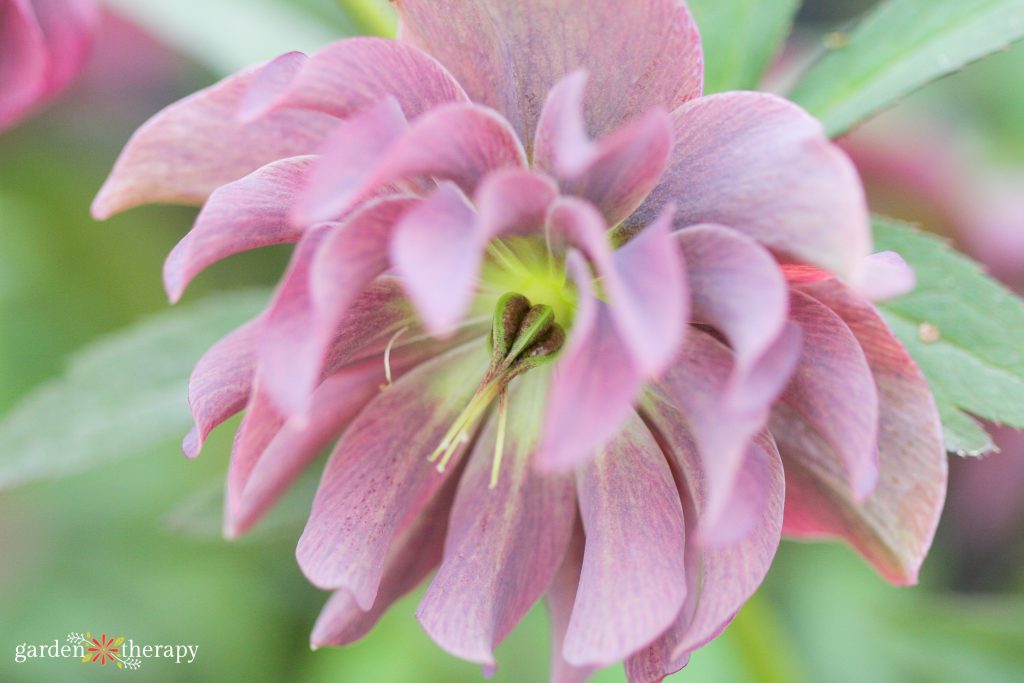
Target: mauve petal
416,551
271,464
436,250
617,172
504,544
738,289
43,45
894,526
351,75
458,142
697,383
379,478
221,382
829,411
722,578
335,184
644,280
288,373
631,585
242,215
23,60
884,275
513,200
269,84
594,383
508,55
196,145
763,166
560,599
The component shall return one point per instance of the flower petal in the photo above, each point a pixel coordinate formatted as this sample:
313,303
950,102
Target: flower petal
352,75
194,146
513,201
829,411
379,478
505,543
335,184
644,280
884,275
23,60
697,384
509,54
221,382
560,599
417,550
738,289
631,586
617,172
436,250
763,166
242,215
269,464
594,383
269,84
459,142
894,526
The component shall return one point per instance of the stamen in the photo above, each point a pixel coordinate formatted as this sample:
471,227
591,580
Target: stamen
387,356
499,444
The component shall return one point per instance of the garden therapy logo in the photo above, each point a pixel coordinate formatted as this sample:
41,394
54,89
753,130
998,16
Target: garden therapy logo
103,650
125,653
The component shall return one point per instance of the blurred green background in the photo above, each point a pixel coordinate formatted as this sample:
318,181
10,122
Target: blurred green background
133,547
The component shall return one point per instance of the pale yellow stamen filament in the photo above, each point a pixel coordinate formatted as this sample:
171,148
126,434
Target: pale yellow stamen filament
458,433
499,444
387,356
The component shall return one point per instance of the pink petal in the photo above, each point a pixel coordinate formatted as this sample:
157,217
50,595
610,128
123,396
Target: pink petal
457,142
697,384
631,585
644,280
196,145
351,75
221,382
884,275
508,55
504,544
379,478
739,290
894,526
43,46
829,412
722,578
763,166
436,249
513,200
242,215
595,381
560,599
415,553
269,84
268,465
616,173
23,60
354,147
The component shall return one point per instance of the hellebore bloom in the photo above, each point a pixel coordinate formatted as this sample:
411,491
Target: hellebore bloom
43,46
585,334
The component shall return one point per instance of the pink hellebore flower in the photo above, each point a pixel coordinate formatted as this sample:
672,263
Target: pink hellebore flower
511,184
43,46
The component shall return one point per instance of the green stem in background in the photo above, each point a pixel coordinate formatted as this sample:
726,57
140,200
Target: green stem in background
761,641
371,17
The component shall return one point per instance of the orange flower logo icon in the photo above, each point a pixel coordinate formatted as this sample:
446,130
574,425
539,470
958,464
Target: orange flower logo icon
103,650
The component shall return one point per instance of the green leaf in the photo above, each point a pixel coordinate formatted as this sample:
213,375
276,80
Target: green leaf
965,330
227,35
740,37
899,47
122,395
371,17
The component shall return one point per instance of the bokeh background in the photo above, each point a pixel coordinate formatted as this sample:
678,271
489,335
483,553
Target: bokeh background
132,546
